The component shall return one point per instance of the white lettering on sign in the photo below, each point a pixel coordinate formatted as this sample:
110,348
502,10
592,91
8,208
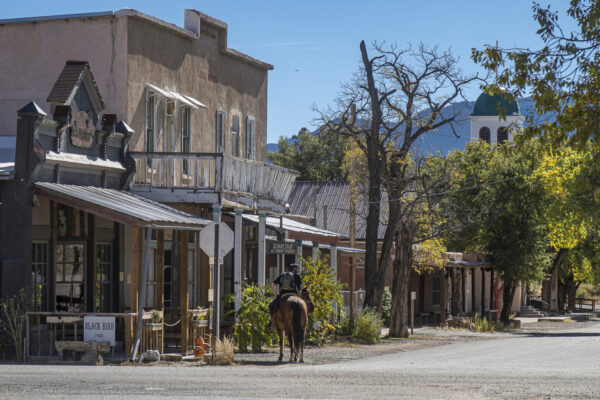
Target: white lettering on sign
99,329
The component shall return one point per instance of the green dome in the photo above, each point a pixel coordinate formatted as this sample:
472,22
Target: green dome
488,105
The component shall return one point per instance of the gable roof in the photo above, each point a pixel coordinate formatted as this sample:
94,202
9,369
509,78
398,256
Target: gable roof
71,77
335,196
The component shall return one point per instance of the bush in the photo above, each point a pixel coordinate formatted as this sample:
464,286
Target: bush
12,322
325,291
386,306
482,324
223,354
368,326
253,317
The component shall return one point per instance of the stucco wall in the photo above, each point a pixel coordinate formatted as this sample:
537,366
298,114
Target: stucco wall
32,55
194,67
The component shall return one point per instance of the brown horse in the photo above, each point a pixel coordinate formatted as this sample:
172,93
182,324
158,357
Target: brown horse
291,317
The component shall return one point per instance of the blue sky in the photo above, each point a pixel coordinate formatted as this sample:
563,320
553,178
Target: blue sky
314,44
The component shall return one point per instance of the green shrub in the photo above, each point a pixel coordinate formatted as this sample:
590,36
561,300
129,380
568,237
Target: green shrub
482,324
253,317
368,326
12,323
325,291
386,306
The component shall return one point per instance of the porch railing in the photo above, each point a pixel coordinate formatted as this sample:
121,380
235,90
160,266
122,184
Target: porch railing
212,172
43,329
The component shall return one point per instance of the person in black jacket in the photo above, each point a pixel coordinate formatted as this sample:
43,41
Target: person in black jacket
288,282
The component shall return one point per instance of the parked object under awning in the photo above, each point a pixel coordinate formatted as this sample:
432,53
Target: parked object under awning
120,206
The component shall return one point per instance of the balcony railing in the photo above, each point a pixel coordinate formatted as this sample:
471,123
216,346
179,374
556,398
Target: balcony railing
214,173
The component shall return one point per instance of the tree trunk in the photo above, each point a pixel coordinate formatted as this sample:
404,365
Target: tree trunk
372,294
507,300
402,267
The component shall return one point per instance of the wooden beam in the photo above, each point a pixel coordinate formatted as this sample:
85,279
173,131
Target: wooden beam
160,276
183,280
136,258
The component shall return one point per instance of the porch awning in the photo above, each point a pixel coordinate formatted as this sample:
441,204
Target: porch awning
120,206
187,100
298,230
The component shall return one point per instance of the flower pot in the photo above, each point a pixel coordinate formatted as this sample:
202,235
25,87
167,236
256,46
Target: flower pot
199,323
155,327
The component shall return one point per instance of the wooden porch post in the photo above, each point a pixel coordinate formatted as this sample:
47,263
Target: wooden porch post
237,261
443,294
183,288
482,291
298,258
142,296
262,219
160,276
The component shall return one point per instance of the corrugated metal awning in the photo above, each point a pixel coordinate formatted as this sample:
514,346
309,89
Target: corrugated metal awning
293,226
120,206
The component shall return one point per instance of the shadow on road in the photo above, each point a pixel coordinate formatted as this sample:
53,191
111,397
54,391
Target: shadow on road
263,363
559,334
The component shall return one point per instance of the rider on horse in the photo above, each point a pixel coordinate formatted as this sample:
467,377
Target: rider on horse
288,282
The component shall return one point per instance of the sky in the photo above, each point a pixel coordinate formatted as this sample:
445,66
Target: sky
314,45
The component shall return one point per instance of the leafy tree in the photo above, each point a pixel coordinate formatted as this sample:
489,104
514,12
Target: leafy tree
325,291
500,205
397,96
562,77
317,157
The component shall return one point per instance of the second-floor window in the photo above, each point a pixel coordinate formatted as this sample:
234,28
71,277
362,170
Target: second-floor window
150,121
220,131
235,136
250,125
186,143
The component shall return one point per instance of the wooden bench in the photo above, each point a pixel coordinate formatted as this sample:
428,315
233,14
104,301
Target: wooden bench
86,352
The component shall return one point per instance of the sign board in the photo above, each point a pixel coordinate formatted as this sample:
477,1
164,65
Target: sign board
207,236
413,295
280,247
99,329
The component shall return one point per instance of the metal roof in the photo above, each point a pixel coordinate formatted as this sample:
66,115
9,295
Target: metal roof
340,249
292,226
187,100
335,196
120,206
66,83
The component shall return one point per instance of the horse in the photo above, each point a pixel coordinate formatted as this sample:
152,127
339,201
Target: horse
291,317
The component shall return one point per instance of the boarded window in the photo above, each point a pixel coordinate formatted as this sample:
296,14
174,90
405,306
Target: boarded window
220,140
502,134
484,134
250,135
235,136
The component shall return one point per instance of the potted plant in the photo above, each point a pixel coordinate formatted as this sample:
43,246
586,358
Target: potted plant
155,321
199,318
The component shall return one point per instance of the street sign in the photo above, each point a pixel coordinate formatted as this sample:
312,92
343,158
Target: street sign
280,247
207,236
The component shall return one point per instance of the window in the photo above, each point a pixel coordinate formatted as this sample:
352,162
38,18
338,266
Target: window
186,144
70,268
502,134
39,281
484,134
151,281
235,136
170,276
250,125
103,277
435,290
150,124
192,278
220,131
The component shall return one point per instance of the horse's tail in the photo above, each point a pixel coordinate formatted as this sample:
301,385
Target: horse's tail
297,324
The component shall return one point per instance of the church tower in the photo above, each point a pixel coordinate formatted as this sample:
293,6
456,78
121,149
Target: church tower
486,123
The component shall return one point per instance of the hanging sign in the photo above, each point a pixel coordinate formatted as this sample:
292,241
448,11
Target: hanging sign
280,247
99,329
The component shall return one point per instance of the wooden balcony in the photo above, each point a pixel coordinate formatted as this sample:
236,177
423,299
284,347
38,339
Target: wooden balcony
208,177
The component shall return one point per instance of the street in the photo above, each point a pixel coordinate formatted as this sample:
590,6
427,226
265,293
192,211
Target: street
550,364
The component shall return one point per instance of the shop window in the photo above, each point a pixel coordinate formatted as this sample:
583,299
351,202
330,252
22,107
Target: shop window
39,281
435,290
70,277
104,264
484,134
151,282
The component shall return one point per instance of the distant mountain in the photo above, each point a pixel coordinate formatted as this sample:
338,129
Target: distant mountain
443,140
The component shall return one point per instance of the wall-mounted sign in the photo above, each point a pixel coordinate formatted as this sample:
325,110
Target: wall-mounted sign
280,248
99,329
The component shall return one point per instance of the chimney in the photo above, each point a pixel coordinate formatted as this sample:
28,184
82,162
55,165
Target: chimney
192,21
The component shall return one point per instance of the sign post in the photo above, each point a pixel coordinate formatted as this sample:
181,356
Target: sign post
413,297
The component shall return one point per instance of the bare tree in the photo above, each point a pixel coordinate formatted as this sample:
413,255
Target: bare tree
398,96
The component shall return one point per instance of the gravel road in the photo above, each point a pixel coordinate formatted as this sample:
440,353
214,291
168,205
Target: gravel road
539,363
